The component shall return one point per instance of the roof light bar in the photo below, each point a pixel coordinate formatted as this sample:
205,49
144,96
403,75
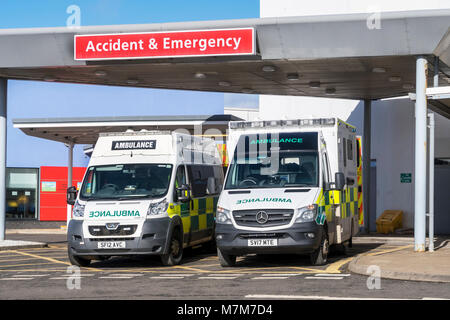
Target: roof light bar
283,123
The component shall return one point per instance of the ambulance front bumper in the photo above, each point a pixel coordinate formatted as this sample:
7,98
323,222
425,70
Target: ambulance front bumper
151,241
297,239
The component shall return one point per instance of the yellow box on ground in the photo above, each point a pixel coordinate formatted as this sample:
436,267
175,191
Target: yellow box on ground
389,221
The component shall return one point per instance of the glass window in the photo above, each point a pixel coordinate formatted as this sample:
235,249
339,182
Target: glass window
350,149
326,173
344,148
198,178
279,170
126,181
180,178
22,193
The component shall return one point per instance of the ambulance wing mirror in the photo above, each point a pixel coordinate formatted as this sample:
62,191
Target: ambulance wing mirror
71,195
183,193
339,181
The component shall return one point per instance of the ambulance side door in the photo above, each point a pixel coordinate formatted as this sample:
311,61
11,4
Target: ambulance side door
327,206
179,207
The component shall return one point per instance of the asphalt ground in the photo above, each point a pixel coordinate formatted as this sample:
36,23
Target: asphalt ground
45,273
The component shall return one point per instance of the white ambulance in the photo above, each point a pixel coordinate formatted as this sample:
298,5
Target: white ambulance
145,193
292,187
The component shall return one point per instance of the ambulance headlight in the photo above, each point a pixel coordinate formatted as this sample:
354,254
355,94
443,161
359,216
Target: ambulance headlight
306,214
157,209
78,210
223,215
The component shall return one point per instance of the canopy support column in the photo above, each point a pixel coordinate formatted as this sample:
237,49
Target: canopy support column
420,170
3,114
69,178
366,162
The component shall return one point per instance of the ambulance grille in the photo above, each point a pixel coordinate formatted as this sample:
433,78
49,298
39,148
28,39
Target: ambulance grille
124,230
275,217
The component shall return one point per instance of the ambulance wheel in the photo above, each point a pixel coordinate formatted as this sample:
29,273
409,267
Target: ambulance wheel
226,260
175,250
77,260
320,256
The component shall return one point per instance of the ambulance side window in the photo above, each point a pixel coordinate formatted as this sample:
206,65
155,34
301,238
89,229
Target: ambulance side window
326,172
350,149
180,179
344,148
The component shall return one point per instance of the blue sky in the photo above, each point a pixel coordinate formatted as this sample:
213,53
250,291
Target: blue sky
29,99
52,13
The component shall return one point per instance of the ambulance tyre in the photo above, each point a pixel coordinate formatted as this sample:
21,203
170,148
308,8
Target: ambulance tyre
226,260
78,261
320,256
175,249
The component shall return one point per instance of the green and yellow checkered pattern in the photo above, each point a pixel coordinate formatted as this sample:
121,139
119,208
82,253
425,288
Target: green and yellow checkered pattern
348,199
199,217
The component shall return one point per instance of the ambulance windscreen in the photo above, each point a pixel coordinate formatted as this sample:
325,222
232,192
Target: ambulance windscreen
126,181
275,161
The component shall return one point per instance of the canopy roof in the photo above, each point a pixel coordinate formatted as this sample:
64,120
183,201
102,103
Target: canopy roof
333,55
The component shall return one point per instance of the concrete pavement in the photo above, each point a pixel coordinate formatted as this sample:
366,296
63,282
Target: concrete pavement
394,254
402,263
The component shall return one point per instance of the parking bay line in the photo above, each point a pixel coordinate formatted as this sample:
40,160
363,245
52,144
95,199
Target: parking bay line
168,277
269,278
217,278
324,278
112,278
30,275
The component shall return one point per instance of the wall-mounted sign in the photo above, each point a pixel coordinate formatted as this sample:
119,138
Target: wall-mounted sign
48,186
165,44
405,177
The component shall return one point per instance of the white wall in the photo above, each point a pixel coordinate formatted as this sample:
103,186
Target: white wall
248,114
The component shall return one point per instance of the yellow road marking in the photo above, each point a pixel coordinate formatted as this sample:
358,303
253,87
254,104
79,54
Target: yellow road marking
33,270
193,269
334,267
50,259
9,260
25,264
41,257
389,250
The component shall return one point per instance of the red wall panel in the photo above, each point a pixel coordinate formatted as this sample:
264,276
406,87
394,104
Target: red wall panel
53,206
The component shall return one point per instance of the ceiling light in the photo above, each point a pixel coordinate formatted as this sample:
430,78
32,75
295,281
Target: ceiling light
268,68
100,73
314,84
292,76
200,75
330,91
224,84
132,81
49,78
395,79
408,86
379,70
